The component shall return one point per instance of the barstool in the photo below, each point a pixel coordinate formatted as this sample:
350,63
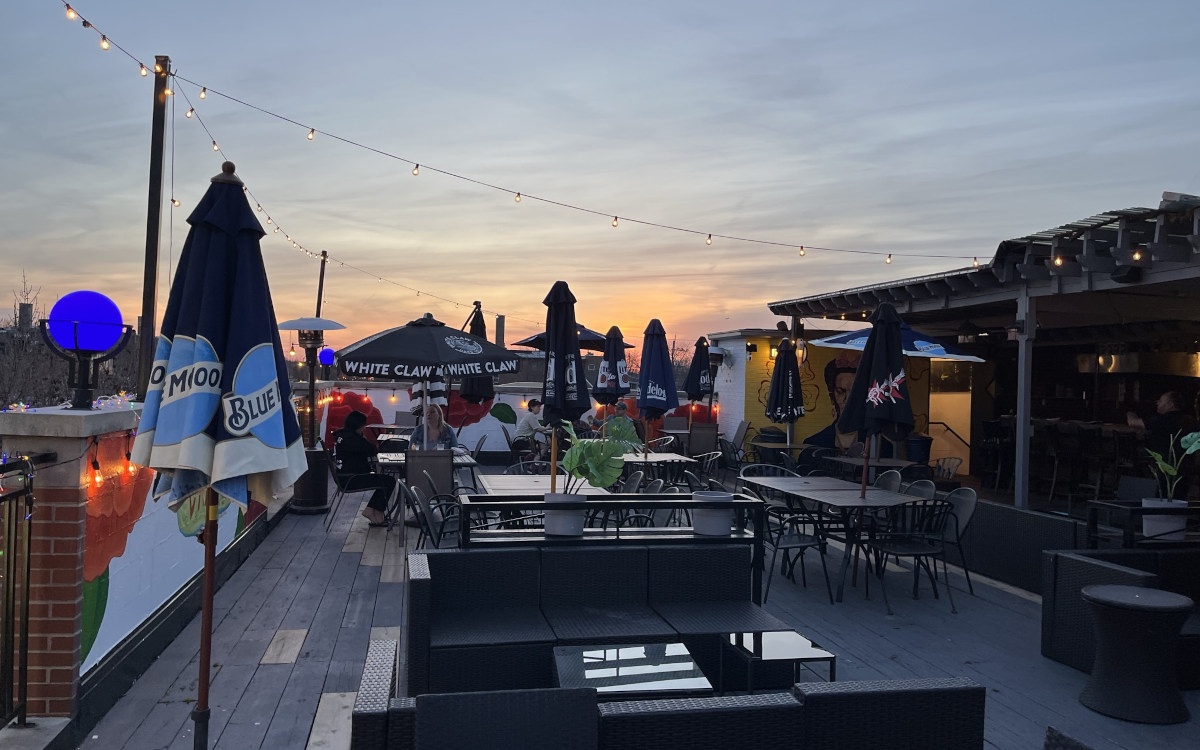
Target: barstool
1134,673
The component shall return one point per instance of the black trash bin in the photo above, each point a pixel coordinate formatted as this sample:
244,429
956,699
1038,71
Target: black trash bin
917,447
310,494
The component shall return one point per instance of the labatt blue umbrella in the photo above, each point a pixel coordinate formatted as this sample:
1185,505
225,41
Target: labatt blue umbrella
218,416
564,389
698,382
612,379
656,380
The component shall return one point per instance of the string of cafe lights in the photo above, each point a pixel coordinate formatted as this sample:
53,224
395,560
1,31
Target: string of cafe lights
310,133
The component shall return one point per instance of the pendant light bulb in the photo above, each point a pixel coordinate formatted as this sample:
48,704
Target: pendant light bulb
142,70
709,240
975,262
189,113
71,15
1058,261
203,92
416,169
104,42
216,147
517,198
888,259
614,221
312,133
175,202
802,251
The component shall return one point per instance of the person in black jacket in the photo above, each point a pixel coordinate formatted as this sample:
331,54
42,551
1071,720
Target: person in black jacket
351,457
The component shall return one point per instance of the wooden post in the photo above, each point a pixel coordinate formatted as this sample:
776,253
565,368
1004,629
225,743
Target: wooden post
158,131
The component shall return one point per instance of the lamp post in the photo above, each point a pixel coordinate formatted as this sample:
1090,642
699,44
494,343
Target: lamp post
85,329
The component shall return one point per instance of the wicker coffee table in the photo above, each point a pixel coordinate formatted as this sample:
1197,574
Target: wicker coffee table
776,656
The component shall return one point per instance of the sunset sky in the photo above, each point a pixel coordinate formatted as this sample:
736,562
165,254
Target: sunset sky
915,128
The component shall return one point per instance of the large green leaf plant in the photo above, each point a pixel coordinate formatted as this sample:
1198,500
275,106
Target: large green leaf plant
1170,467
593,461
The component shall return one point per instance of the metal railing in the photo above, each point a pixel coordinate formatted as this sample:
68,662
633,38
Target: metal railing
16,511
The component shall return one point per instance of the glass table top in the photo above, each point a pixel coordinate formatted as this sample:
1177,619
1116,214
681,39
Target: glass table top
623,670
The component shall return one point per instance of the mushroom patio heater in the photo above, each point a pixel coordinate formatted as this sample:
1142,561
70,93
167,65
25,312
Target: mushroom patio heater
85,329
310,493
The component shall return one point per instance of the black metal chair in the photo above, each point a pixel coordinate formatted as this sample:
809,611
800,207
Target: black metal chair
964,500
916,531
532,468
796,531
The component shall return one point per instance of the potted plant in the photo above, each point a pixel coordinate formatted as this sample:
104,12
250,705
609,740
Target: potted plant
595,462
1169,469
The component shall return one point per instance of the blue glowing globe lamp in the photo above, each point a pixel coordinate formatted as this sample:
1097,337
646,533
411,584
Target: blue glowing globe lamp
325,356
85,329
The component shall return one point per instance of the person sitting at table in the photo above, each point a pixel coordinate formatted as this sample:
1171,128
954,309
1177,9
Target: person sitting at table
529,436
351,460
433,432
1164,429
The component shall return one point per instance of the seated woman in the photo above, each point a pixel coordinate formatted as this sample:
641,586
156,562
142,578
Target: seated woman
529,428
433,433
351,454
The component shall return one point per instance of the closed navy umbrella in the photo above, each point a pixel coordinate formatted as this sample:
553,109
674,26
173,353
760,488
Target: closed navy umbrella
564,389
698,382
477,388
878,403
656,380
218,416
785,403
612,381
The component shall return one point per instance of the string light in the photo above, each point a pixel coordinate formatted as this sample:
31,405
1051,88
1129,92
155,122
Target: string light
975,262
416,170
1137,254
71,14
169,91
709,240
104,42
801,253
312,133
888,259
142,70
203,92
1058,261
216,147
189,113
517,199
614,221
175,202
157,68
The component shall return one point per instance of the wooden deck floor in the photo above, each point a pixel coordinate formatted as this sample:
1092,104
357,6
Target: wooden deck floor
293,624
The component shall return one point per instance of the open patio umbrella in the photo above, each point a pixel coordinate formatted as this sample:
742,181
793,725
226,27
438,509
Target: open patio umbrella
785,402
588,339
218,416
698,382
476,389
656,380
564,389
878,403
913,342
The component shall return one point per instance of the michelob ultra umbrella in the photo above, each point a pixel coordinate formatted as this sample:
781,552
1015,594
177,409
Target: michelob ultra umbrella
612,379
218,417
564,389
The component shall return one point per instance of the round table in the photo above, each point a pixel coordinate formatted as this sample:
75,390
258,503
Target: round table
1134,675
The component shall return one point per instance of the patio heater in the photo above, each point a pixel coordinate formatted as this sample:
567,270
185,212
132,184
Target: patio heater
310,494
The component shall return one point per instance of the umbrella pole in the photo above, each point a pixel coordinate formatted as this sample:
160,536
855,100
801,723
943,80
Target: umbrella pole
201,712
866,464
553,460
691,411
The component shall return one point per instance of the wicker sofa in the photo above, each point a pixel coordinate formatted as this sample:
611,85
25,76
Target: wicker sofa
489,619
1066,625
946,713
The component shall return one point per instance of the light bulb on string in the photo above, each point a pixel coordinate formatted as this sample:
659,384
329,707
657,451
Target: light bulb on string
276,229
216,147
888,259
71,14
975,262
1058,261
709,240
614,221
203,92
801,253
1137,254
269,220
175,202
292,351
157,67
169,92
312,133
416,170
103,42
517,198
142,70
189,113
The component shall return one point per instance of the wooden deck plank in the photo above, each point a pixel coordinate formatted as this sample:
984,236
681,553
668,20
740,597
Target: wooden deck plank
284,647
289,729
331,727
248,724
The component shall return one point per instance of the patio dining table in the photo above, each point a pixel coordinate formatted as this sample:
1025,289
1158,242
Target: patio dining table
840,497
529,484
